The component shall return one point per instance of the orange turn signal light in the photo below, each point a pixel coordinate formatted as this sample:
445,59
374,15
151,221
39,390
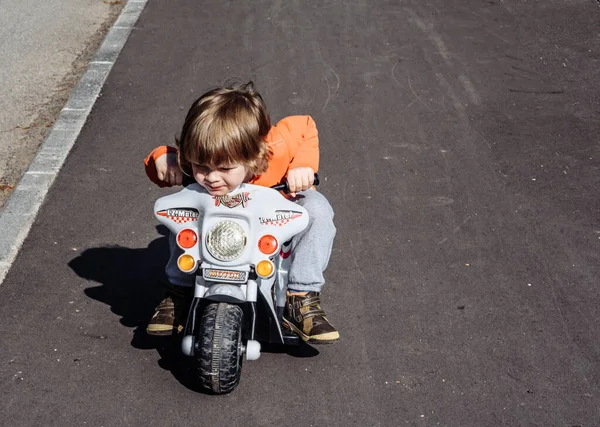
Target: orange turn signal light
265,268
187,238
186,263
267,244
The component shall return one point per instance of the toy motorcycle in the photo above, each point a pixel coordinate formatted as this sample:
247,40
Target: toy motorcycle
238,247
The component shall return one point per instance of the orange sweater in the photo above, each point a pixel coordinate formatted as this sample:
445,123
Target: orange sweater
294,143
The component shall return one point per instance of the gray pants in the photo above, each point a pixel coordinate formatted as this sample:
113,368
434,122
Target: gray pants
311,249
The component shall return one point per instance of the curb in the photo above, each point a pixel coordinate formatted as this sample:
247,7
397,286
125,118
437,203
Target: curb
21,208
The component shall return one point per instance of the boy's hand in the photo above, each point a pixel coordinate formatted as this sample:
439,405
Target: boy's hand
168,170
300,179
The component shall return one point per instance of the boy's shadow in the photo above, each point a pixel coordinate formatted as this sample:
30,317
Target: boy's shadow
129,281
130,284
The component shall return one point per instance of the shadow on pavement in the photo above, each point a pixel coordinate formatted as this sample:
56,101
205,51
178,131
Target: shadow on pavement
129,281
301,350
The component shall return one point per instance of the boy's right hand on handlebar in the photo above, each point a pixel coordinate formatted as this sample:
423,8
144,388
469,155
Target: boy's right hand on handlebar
300,179
168,170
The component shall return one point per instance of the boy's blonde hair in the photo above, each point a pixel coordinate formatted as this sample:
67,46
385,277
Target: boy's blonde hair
226,126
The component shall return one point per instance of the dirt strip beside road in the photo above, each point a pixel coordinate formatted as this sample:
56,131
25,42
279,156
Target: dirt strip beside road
44,49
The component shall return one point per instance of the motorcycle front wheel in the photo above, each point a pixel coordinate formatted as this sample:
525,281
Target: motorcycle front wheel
219,351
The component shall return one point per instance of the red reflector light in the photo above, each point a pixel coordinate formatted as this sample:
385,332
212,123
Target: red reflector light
187,238
268,244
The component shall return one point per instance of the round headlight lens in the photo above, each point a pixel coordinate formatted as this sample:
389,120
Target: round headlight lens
226,240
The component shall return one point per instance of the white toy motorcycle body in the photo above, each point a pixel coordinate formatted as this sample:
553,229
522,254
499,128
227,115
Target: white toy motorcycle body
238,248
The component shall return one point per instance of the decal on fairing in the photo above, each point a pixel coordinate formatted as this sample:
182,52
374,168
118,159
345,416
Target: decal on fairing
280,218
286,249
232,201
225,275
180,216
284,254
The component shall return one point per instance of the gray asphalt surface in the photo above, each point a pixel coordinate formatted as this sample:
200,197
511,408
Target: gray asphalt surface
460,151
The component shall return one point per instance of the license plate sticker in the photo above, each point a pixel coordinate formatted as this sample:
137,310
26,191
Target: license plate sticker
216,275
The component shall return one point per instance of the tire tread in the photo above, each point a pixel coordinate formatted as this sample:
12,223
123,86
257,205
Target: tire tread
219,356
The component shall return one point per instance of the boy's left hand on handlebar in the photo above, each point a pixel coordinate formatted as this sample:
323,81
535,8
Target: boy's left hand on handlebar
168,170
300,179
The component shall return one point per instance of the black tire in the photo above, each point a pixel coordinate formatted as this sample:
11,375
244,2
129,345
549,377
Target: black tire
219,353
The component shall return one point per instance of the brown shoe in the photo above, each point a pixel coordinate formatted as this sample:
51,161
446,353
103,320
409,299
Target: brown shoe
303,315
171,313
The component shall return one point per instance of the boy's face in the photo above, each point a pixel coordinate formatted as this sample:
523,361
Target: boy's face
219,180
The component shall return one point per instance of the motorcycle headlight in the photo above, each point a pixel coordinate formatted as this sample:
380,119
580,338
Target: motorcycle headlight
226,240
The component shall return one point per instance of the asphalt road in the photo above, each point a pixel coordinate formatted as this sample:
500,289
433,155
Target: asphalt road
460,151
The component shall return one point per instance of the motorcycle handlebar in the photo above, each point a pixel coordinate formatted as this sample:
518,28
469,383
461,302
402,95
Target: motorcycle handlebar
187,180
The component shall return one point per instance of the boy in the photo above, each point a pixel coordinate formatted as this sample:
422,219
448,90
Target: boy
227,139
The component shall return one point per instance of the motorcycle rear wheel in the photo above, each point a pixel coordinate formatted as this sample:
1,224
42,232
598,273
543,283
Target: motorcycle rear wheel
219,354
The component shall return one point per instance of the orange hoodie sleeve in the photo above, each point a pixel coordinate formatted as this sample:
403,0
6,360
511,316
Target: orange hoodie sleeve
150,164
300,132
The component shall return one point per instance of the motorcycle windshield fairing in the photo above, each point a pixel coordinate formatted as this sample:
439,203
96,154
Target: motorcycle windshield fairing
229,227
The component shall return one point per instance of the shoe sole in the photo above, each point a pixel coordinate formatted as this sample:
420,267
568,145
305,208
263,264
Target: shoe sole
160,331
328,338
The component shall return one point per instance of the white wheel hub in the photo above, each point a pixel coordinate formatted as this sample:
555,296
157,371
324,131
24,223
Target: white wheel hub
252,350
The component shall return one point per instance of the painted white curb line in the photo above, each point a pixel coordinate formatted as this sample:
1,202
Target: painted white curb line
21,208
